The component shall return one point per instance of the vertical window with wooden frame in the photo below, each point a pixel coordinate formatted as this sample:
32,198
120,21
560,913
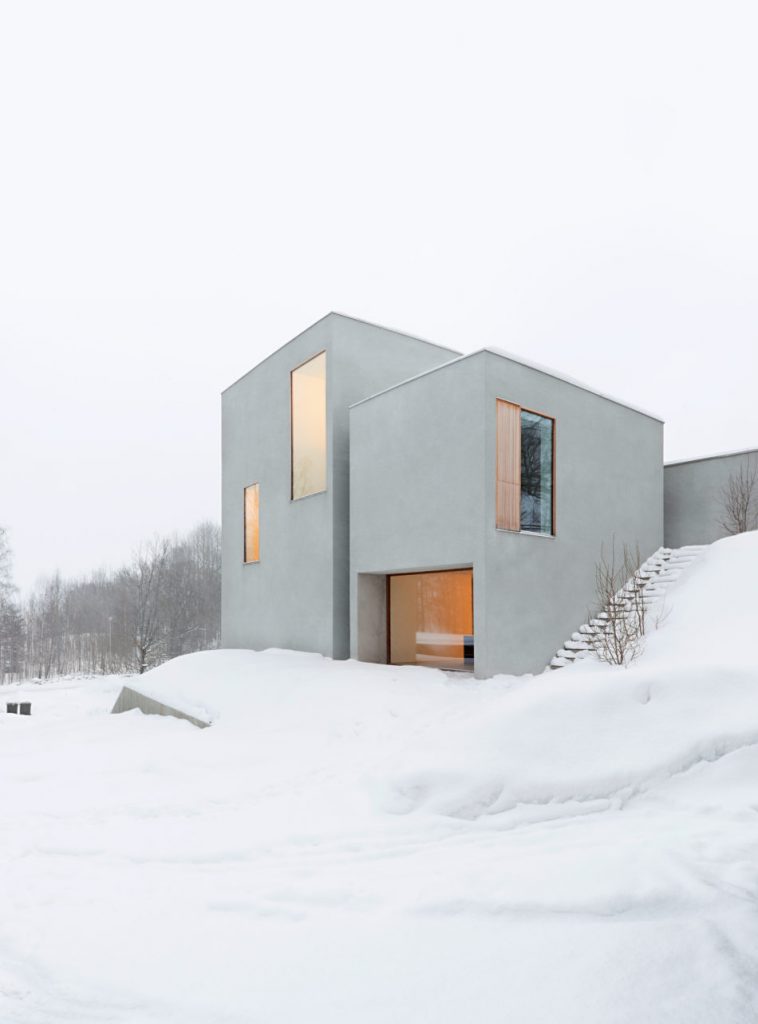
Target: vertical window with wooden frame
525,491
252,523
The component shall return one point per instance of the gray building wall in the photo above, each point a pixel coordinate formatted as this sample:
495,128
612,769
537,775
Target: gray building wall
608,484
416,490
423,497
693,503
296,596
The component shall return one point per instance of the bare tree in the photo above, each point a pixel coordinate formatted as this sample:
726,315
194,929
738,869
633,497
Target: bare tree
11,620
165,602
739,500
619,628
6,578
147,578
12,642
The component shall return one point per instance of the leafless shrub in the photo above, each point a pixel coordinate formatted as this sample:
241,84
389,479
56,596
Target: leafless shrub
619,628
739,500
146,583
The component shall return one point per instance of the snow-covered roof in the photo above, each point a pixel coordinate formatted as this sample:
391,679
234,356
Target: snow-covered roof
523,362
570,380
394,330
344,316
457,357
718,455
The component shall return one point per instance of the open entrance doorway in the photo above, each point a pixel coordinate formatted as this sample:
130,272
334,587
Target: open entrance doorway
431,619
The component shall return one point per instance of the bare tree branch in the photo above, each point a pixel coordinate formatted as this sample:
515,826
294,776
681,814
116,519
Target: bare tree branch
619,628
739,500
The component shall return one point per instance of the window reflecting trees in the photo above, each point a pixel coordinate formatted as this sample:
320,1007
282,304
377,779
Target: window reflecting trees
524,470
536,473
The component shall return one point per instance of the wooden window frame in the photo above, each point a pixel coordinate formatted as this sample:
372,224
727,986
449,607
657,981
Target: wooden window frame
502,502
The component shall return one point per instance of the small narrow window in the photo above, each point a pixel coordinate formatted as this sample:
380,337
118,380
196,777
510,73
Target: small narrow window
252,525
308,399
524,485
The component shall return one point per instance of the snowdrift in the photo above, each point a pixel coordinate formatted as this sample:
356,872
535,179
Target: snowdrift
468,748
366,843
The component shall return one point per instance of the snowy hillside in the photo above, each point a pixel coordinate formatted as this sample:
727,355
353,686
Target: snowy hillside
355,843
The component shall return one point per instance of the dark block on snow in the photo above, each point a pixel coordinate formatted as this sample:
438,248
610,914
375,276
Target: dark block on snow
12,709
25,708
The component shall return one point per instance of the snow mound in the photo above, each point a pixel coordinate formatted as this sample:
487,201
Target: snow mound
454,746
354,842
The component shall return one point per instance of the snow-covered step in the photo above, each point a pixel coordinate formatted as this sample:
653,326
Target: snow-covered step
649,584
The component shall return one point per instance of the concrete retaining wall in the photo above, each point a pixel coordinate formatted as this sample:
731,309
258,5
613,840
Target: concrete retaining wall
693,502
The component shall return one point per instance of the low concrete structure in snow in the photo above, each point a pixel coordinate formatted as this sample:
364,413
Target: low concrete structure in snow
695,496
130,699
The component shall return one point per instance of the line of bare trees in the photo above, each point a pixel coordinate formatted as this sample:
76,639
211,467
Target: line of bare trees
166,601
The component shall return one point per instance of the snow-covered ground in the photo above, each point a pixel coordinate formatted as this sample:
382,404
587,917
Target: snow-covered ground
355,843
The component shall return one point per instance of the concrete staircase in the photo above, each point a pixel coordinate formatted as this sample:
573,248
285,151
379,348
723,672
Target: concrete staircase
652,578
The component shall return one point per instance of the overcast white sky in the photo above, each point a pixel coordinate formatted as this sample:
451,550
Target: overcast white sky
185,186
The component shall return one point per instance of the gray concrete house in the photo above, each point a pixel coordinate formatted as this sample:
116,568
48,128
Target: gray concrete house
389,499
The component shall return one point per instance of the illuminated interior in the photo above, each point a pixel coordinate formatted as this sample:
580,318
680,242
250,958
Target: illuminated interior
252,525
431,619
309,427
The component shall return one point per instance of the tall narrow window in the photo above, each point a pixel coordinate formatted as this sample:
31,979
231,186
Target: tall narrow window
252,523
308,385
536,473
524,485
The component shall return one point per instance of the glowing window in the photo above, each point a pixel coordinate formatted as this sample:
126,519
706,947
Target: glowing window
431,619
252,524
308,396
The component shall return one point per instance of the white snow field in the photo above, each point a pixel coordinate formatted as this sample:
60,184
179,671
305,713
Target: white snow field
363,844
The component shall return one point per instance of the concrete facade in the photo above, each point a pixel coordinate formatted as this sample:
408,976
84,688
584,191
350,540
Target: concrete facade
422,497
296,596
411,487
694,496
